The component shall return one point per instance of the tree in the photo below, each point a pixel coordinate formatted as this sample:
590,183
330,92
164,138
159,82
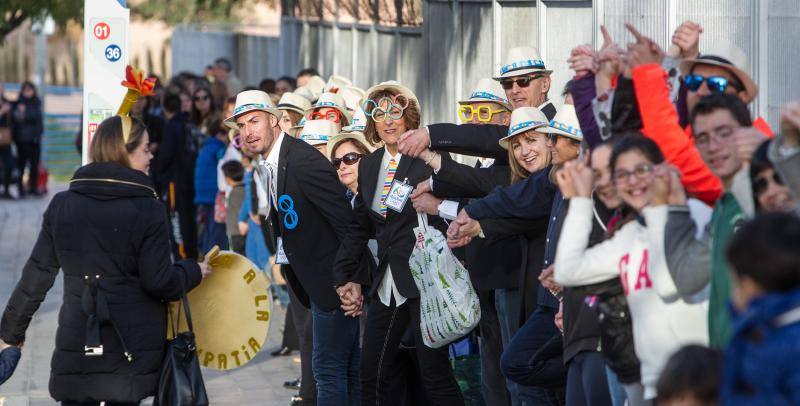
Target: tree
15,12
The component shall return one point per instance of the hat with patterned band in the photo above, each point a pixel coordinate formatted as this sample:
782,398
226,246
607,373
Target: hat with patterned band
334,101
252,100
488,91
316,132
521,61
294,102
523,119
565,123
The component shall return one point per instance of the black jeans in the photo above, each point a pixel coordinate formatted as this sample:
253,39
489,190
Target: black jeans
493,383
305,333
586,380
384,330
97,404
7,162
28,154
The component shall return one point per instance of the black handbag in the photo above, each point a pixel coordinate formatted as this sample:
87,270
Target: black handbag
181,382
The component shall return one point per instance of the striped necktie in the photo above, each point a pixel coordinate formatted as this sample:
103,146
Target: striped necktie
387,184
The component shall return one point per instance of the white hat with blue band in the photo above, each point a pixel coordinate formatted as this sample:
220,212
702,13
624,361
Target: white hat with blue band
524,119
487,91
565,123
334,101
316,132
252,100
521,61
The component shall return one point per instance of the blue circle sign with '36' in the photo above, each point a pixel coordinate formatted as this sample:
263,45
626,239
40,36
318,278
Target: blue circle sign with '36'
113,53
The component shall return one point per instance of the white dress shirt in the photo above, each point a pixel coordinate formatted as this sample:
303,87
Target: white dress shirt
387,288
270,164
448,209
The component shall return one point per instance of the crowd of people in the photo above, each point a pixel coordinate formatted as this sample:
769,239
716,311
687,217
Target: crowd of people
21,129
636,245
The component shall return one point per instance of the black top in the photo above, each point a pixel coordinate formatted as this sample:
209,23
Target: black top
394,233
108,226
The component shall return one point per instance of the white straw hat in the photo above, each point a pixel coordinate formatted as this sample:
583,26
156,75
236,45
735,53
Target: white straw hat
250,100
336,83
316,132
523,119
348,135
353,96
521,61
730,57
358,123
397,88
295,131
332,100
488,90
565,123
294,102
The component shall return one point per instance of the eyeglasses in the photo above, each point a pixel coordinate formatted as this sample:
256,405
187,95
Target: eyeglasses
393,107
521,82
719,135
642,171
349,158
761,183
485,113
330,115
201,98
717,84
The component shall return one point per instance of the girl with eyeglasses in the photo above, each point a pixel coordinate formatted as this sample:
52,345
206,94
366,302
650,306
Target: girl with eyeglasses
663,321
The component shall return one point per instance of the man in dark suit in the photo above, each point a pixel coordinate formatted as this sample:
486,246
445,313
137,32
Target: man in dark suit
310,213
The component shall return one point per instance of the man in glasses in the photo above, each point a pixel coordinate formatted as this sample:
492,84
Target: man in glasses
717,121
525,81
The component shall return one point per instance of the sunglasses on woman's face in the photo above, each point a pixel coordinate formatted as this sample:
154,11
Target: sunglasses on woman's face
716,84
521,82
761,183
349,158
201,98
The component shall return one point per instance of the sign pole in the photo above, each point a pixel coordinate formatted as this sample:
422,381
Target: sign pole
105,55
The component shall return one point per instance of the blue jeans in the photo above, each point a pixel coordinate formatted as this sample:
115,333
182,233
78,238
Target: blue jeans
586,380
336,357
615,388
533,359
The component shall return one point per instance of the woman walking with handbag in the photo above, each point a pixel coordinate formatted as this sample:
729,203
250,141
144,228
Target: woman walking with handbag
109,235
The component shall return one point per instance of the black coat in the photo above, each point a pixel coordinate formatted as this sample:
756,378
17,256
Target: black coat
109,226
394,234
29,125
322,212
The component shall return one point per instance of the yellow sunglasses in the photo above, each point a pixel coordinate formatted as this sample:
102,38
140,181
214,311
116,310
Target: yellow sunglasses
485,113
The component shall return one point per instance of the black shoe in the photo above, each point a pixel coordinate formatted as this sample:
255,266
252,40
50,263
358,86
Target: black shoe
295,384
281,352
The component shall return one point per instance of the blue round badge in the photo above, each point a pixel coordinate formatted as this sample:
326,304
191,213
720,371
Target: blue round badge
290,217
113,53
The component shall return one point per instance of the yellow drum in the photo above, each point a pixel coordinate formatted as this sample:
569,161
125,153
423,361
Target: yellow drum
230,311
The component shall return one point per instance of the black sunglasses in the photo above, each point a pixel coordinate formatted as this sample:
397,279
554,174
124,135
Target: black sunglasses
349,158
521,82
201,98
761,183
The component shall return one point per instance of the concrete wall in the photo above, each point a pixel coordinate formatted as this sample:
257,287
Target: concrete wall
462,41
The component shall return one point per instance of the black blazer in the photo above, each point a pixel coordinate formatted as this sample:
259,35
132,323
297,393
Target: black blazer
394,233
312,217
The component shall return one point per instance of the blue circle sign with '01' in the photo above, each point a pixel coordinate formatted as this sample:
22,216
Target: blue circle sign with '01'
113,53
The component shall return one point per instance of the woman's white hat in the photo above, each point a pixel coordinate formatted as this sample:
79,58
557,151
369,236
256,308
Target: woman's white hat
358,123
730,57
336,83
313,88
565,123
316,132
250,100
353,96
396,87
521,61
348,135
295,131
294,102
488,90
332,100
524,119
